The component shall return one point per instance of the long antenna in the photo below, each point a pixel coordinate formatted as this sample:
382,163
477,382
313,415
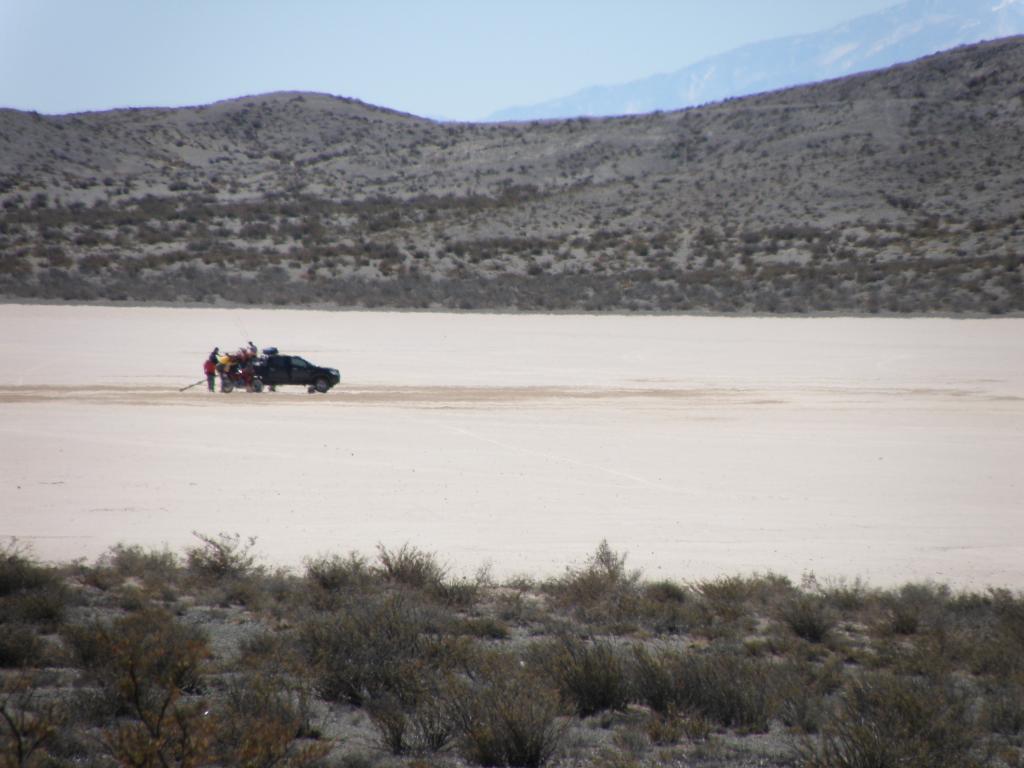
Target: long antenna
240,324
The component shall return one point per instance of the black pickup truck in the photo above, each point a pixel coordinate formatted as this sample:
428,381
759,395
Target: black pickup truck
273,369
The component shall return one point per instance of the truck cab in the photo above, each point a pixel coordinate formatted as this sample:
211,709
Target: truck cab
275,370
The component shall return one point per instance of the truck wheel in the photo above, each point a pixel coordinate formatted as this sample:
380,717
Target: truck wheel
257,385
321,385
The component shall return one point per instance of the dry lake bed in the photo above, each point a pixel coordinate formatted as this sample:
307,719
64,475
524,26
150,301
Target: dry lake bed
886,449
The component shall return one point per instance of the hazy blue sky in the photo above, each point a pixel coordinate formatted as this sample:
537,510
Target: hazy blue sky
460,59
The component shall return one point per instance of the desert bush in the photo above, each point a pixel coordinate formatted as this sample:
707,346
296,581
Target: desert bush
666,592
370,648
19,646
729,595
28,722
153,567
998,649
655,678
335,572
912,605
142,660
723,686
175,734
592,677
250,590
602,591
427,726
808,617
603,573
42,606
260,719
18,573
904,619
802,688
29,593
411,566
727,688
885,720
726,596
221,556
509,716
1002,710
669,608
846,596
145,664
458,593
666,728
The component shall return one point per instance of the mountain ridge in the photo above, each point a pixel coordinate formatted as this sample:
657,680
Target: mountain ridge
915,29
894,191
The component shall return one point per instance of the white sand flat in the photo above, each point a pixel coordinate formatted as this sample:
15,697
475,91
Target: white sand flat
889,449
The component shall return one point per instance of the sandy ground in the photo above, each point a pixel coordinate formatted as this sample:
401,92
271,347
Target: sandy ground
889,449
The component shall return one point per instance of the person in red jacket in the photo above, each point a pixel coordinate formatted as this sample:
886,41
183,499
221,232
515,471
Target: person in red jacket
210,368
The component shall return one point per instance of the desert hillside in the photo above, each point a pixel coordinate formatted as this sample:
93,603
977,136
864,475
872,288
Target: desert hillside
896,191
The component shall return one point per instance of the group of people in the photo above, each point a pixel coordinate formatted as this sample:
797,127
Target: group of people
236,366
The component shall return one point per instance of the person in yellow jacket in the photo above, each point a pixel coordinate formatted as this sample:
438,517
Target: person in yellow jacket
224,364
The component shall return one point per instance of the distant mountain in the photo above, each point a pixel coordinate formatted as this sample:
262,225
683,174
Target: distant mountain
907,31
894,191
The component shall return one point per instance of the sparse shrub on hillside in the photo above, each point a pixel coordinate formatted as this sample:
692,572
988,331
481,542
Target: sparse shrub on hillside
602,590
998,648
802,690
222,556
809,617
337,573
133,560
411,566
18,573
143,655
912,605
29,593
20,646
374,647
145,664
592,676
263,720
846,596
429,725
1003,709
509,716
721,685
885,720
29,722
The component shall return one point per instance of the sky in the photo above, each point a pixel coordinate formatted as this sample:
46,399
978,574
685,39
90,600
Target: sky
451,59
